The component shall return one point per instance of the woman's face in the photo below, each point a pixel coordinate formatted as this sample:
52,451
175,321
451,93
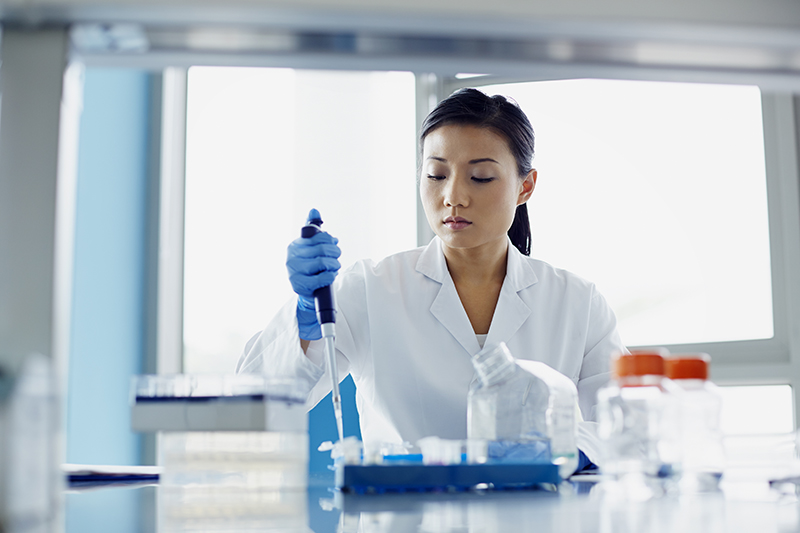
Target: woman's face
470,187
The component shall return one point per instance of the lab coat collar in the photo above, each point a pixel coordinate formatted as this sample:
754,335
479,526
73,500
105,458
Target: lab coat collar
511,312
431,262
519,272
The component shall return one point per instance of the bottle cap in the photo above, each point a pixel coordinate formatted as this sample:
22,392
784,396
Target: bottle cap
638,363
688,366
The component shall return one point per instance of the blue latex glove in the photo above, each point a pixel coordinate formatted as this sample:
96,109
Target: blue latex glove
312,263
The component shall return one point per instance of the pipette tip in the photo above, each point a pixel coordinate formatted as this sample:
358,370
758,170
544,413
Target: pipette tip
339,425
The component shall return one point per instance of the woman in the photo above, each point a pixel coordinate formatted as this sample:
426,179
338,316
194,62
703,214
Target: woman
408,325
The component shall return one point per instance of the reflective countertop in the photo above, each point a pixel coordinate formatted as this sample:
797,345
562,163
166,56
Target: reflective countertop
745,504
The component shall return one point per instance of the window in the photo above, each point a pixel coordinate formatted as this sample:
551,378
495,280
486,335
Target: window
657,193
754,410
263,147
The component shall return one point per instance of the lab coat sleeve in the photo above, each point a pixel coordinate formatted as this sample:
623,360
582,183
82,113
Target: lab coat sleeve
602,341
276,351
588,442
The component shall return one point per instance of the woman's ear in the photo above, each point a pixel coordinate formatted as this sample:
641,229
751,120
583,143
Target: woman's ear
528,184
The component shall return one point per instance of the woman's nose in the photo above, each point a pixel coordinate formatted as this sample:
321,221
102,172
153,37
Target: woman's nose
455,193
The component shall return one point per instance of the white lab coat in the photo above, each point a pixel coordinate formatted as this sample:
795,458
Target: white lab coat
403,334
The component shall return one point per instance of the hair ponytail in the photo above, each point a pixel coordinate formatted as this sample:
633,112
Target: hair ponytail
520,230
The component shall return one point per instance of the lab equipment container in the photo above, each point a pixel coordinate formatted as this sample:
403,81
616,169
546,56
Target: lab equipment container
700,407
527,411
225,431
637,413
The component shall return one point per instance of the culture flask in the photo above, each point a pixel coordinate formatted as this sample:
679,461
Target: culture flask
526,410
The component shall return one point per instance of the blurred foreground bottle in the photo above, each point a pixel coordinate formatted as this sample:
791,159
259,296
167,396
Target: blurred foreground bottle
703,453
525,409
31,481
637,412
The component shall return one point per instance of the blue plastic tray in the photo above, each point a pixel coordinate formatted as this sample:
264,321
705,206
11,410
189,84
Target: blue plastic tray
421,478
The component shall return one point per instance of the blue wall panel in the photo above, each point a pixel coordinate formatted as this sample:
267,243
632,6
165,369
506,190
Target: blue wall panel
322,425
107,316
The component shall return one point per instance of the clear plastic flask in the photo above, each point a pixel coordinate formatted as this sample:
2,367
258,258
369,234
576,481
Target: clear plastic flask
526,410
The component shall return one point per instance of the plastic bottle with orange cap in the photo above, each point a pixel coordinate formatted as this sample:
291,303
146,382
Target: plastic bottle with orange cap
638,416
703,452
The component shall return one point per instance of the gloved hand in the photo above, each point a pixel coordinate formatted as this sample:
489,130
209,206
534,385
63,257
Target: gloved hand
312,263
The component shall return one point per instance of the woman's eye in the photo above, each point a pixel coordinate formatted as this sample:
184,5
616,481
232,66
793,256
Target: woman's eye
435,178
482,180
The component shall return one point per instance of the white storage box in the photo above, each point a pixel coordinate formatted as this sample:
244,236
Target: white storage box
186,402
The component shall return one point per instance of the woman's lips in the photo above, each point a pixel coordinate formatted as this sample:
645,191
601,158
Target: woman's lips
456,223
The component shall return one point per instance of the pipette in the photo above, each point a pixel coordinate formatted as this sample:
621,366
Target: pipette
326,315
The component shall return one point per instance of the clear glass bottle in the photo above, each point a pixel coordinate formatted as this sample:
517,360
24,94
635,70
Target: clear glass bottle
637,422
703,452
525,409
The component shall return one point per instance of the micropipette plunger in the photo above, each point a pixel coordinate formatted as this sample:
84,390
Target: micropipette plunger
326,315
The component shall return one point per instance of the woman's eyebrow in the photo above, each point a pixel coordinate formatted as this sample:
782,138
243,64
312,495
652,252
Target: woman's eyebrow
471,162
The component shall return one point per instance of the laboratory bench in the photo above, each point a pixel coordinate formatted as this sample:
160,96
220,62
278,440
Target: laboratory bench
746,503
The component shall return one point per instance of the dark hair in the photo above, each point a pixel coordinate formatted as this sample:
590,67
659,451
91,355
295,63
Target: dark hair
475,108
